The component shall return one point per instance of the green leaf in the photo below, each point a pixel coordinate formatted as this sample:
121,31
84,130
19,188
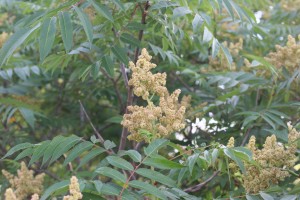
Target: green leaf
17,148
252,197
134,155
64,147
98,185
155,145
115,119
150,189
111,173
108,65
66,29
153,175
92,154
231,154
14,42
163,4
87,26
162,163
23,154
57,186
28,116
229,9
119,4
215,47
197,23
77,150
120,53
109,144
266,196
262,61
207,35
227,54
289,197
269,121
51,147
129,39
39,151
192,161
47,37
102,10
180,11
119,163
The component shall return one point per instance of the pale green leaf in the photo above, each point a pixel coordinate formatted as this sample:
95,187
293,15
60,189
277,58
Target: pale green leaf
47,36
66,29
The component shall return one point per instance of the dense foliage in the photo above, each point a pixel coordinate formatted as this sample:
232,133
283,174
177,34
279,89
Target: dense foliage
149,99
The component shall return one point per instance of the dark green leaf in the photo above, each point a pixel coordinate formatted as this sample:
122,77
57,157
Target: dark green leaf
108,65
120,53
57,186
112,173
150,189
128,38
153,175
77,150
92,154
39,151
23,154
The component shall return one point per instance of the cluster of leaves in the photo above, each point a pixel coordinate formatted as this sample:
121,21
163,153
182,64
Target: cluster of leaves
59,53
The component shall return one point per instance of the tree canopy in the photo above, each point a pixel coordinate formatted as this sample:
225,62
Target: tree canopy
152,99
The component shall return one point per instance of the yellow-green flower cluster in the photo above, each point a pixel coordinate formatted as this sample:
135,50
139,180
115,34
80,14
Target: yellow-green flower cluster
143,81
290,5
3,38
24,184
147,123
273,160
74,189
287,56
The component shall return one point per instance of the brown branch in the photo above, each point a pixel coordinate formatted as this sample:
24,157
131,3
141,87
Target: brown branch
182,82
130,89
246,137
91,123
200,185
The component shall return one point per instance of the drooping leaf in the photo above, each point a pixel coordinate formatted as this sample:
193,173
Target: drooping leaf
180,11
102,10
14,42
120,53
108,65
17,148
66,28
129,39
47,37
192,161
86,23
25,153
56,186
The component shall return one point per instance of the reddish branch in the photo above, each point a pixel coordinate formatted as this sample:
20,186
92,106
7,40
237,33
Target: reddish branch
130,89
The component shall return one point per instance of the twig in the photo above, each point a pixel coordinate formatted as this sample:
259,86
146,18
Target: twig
130,89
246,137
200,185
182,82
92,125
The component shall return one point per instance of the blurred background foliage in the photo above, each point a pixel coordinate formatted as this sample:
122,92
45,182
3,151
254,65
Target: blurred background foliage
61,60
